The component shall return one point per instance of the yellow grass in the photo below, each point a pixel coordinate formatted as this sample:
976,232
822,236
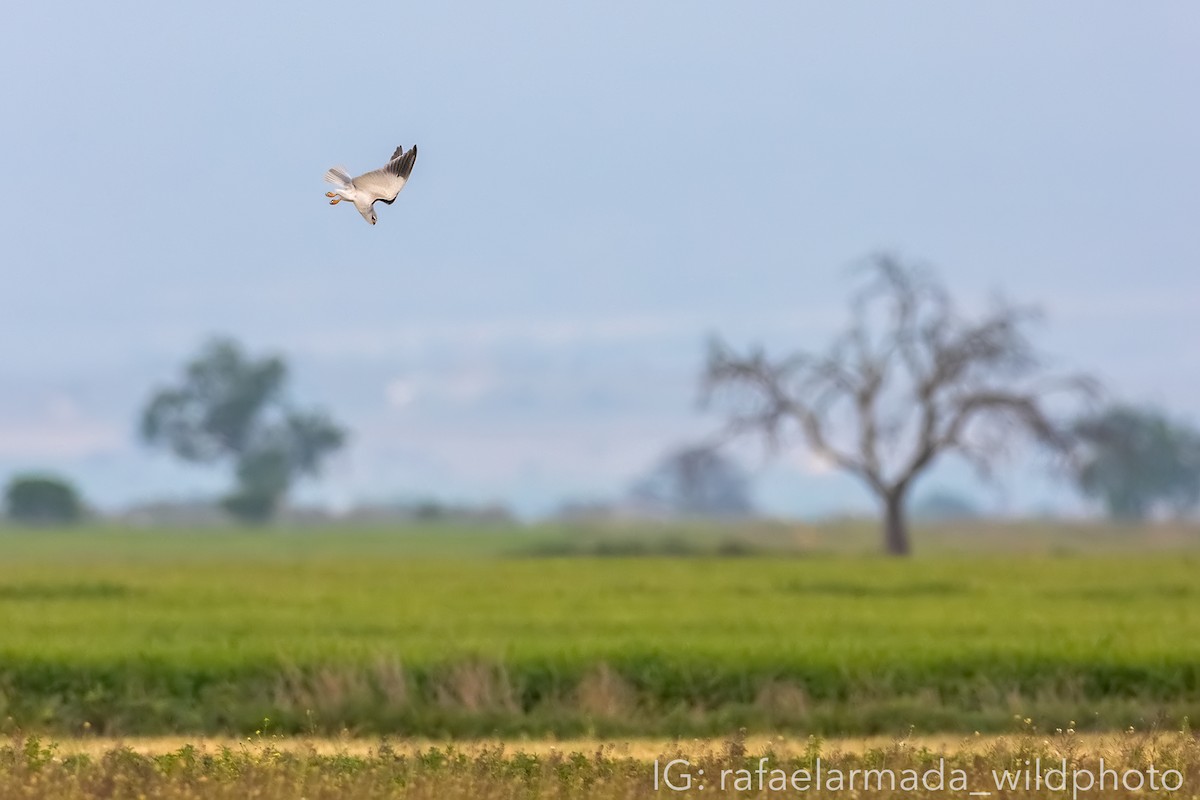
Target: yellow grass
642,749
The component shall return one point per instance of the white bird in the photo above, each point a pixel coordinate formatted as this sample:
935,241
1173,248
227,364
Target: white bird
379,184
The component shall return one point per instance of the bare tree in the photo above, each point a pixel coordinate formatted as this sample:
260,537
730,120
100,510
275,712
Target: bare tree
695,481
909,380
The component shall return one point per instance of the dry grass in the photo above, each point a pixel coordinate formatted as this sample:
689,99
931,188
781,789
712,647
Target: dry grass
640,749
270,768
476,688
604,694
787,700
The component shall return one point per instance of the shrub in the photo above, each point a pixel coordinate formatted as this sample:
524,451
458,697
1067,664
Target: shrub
42,500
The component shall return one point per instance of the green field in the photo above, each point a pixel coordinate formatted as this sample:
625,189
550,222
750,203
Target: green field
446,632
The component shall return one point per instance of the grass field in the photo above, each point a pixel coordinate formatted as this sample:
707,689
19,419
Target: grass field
445,632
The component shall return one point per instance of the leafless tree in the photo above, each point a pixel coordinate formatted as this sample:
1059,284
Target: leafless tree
909,380
695,481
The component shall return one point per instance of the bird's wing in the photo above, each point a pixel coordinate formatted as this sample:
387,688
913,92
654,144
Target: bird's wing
378,184
384,184
401,164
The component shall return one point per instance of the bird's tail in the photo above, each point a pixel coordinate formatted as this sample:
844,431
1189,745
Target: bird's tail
338,177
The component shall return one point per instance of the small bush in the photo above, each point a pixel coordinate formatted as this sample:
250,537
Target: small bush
42,500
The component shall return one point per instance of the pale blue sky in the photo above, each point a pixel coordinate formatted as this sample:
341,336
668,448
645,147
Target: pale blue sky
599,186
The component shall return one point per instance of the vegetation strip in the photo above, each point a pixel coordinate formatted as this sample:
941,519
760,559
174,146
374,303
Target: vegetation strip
382,634
1030,764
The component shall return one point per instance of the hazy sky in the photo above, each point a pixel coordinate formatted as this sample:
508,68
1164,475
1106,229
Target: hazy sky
599,187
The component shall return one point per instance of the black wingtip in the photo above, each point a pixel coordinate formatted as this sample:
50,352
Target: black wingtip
402,163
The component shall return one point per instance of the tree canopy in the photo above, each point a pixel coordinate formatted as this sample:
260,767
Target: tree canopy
1137,461
42,500
231,407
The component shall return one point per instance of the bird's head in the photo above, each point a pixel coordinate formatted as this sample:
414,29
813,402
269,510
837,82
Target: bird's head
368,214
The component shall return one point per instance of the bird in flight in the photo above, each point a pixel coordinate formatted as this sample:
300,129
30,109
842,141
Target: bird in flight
378,184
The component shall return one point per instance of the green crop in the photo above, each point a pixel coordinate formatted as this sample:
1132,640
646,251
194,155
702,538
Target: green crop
375,633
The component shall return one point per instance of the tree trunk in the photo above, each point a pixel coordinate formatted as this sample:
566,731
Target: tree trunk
895,526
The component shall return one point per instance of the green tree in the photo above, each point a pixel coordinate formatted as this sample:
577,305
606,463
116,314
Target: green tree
42,500
1137,461
229,407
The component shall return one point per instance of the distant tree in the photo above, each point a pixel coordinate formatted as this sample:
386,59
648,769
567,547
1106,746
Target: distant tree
909,380
695,481
1138,460
230,407
42,500
944,506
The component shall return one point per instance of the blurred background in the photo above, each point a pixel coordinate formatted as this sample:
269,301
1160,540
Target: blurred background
600,190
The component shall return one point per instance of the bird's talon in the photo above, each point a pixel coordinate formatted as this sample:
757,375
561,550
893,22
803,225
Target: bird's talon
335,201
329,194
